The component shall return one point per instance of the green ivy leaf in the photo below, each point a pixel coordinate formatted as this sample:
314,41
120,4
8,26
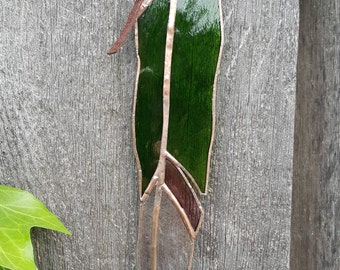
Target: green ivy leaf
19,212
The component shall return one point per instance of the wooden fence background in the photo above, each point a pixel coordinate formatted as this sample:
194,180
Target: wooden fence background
65,136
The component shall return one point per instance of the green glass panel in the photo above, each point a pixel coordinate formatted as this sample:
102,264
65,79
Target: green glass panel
152,27
195,55
194,62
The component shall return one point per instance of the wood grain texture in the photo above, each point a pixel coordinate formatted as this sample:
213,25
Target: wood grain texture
65,127
65,132
316,190
247,211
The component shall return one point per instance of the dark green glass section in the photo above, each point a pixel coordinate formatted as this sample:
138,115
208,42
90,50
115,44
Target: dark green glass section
149,107
194,61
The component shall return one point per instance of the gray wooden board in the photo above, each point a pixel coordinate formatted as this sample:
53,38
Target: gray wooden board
65,127
65,132
247,211
316,190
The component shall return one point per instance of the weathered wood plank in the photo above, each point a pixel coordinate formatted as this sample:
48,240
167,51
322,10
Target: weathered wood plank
65,127
247,211
65,117
316,190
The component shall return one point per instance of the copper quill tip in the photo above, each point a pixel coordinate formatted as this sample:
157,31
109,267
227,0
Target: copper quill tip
133,16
